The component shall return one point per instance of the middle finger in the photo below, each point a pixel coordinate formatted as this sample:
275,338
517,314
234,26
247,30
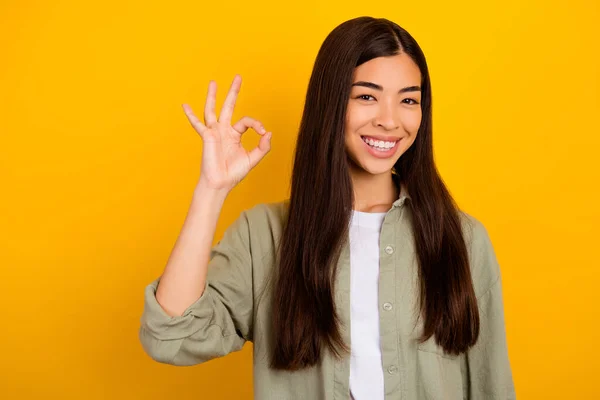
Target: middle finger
229,104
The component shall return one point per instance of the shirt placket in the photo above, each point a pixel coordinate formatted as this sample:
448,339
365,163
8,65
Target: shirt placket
387,305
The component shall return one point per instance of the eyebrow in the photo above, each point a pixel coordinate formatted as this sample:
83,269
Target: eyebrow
379,87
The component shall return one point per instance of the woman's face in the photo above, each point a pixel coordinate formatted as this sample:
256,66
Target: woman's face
384,112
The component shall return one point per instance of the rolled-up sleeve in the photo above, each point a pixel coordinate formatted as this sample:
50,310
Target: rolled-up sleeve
218,322
489,367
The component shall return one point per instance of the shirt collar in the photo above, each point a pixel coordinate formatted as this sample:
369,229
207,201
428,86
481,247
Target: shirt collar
402,196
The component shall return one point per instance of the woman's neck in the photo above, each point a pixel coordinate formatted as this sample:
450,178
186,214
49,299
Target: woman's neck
373,193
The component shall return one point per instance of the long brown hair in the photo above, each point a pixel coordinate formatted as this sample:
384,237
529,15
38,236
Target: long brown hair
321,202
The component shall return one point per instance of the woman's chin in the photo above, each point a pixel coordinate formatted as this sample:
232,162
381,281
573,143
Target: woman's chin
376,168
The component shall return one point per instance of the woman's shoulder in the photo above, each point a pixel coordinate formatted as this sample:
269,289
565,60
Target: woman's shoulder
474,230
485,270
261,224
268,214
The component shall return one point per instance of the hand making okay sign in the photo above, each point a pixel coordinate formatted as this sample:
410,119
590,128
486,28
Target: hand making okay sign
225,162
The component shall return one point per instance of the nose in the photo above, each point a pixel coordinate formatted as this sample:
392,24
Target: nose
387,117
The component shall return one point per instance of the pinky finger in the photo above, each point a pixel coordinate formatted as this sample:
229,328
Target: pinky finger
196,124
258,153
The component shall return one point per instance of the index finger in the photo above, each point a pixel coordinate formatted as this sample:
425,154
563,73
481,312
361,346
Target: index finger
229,104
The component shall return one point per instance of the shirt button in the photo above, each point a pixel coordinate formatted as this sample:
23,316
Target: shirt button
392,369
387,306
389,250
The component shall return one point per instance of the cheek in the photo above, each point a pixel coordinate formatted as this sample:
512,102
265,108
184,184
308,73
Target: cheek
411,122
356,117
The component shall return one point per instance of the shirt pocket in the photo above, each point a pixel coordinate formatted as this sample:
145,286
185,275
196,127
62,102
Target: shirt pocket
439,373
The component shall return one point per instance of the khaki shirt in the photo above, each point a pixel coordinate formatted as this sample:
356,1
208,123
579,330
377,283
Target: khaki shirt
234,309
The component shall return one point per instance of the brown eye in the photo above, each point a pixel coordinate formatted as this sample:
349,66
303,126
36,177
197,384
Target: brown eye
413,101
365,97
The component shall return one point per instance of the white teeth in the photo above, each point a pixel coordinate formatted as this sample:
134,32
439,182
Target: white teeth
380,144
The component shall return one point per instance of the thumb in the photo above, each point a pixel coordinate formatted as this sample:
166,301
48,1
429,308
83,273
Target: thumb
258,153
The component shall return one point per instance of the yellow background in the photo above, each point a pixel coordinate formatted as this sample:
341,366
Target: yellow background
98,163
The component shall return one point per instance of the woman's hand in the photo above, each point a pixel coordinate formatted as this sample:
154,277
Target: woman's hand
224,161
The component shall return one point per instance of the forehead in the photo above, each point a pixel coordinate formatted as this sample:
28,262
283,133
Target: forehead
389,72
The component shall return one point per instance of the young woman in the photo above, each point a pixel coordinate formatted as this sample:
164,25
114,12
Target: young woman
368,282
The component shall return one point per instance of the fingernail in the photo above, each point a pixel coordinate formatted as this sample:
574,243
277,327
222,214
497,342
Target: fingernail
262,129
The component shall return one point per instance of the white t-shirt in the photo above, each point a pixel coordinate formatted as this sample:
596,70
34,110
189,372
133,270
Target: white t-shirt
366,370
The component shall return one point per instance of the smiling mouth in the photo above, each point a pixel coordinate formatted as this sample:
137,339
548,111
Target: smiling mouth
380,145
